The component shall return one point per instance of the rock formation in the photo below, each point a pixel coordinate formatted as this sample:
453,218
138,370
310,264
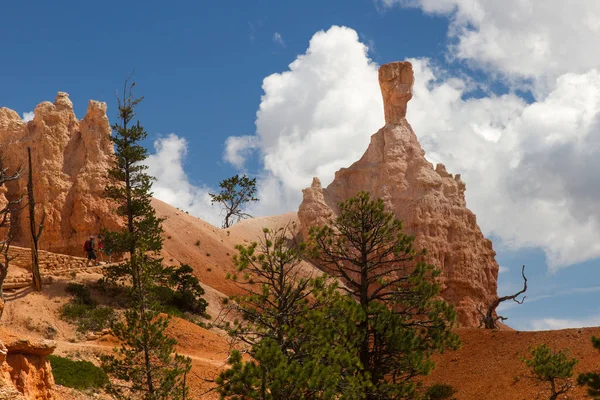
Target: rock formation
25,373
70,161
431,202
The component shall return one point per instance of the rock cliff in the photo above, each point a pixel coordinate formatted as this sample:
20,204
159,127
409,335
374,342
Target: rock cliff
70,160
429,200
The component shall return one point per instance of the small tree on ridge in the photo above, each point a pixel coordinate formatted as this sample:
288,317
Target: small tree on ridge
552,366
235,193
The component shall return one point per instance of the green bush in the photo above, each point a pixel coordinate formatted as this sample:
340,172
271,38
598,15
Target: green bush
439,392
77,374
182,294
87,318
188,292
81,293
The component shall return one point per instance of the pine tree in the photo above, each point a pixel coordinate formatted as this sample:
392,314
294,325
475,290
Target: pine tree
401,321
552,366
591,379
235,193
146,360
292,327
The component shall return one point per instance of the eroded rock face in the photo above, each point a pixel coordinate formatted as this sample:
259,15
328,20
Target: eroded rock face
431,202
70,160
25,372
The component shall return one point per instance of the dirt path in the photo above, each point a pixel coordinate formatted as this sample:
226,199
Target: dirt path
210,361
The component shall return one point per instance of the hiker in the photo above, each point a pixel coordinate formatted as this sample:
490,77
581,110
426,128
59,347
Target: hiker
100,248
88,247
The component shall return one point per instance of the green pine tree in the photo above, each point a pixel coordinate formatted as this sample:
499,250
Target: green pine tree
146,360
553,367
401,320
292,327
591,379
235,193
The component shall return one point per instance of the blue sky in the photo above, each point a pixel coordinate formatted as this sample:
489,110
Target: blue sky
507,96
200,67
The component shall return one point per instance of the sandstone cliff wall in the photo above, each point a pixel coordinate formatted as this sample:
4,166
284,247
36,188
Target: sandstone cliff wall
429,200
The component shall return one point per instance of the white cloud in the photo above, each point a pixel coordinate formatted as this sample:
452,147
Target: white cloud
237,148
172,185
521,38
529,168
502,269
28,116
558,323
315,118
278,39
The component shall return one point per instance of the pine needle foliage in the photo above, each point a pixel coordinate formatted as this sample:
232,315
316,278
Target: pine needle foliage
146,363
235,193
553,367
401,322
293,325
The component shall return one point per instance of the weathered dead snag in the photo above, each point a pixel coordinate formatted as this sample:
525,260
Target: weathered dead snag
36,230
488,320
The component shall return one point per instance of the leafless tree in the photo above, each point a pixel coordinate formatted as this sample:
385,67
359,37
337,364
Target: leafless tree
6,228
488,320
36,230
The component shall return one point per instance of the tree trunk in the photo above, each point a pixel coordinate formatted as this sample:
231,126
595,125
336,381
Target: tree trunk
35,231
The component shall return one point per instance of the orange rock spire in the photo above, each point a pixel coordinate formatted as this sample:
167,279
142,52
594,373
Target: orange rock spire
429,200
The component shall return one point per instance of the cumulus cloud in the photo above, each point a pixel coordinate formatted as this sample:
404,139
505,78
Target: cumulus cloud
172,184
28,116
529,168
238,148
527,39
314,118
278,39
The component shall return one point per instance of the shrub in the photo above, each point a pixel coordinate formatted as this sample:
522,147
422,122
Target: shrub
439,391
81,293
83,310
87,318
188,292
77,374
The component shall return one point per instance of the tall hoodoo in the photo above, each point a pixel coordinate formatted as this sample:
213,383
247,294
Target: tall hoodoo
71,158
429,200
396,81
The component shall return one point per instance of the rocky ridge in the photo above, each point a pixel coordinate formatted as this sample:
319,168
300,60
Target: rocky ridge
430,201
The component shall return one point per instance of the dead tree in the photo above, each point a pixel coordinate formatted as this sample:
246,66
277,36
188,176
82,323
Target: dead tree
488,320
6,220
36,230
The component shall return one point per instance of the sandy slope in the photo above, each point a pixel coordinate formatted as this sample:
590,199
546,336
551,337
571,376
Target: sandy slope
209,250
489,366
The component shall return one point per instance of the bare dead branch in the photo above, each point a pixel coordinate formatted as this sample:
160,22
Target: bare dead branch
488,320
